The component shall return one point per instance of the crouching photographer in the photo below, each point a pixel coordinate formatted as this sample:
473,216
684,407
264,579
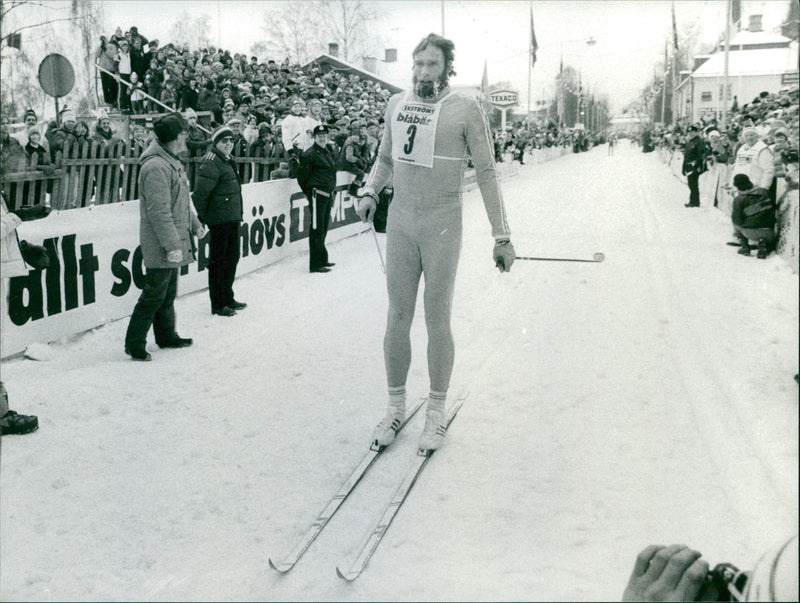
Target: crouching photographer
678,573
17,259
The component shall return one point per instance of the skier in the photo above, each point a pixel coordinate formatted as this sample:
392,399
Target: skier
430,135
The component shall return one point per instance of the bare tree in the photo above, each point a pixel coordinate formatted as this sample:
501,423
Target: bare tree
85,13
293,30
347,22
192,30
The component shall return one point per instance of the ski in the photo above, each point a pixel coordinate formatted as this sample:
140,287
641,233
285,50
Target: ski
374,539
336,501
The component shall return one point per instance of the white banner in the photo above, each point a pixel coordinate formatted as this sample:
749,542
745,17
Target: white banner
96,272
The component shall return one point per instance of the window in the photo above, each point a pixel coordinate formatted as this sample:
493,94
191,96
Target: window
705,97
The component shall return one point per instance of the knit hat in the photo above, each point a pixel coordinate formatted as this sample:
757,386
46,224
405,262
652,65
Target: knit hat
233,120
749,129
221,133
783,131
30,112
742,182
189,113
67,115
168,127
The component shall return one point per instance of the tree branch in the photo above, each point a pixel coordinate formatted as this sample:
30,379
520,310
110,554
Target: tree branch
36,25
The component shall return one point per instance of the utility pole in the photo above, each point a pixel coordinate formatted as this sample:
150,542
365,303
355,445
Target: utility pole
724,94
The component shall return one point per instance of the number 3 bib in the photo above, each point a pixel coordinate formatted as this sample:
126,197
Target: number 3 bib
414,131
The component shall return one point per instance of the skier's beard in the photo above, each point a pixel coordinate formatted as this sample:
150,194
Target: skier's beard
429,90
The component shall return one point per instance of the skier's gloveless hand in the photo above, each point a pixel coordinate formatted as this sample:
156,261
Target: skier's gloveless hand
666,573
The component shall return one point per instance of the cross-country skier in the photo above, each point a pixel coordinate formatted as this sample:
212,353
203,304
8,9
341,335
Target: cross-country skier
430,133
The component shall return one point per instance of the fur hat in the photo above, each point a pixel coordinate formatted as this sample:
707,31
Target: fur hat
221,133
168,127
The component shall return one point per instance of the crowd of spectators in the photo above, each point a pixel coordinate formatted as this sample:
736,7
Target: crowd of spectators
760,144
775,117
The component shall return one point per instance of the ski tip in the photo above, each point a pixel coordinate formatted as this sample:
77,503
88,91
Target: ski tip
349,577
281,568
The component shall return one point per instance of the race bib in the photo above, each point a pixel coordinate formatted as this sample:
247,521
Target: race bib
414,131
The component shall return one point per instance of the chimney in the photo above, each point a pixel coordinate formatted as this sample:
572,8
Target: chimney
391,55
333,49
699,60
371,64
755,23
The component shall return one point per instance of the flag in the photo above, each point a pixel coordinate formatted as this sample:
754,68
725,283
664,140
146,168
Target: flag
14,40
534,45
674,30
736,13
485,79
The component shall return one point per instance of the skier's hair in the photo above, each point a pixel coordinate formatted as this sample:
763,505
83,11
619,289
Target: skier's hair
446,46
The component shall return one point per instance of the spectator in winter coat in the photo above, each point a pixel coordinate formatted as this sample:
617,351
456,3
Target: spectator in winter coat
124,70
38,159
167,225
316,175
107,57
137,94
753,216
190,95
59,135
693,164
217,197
197,140
754,159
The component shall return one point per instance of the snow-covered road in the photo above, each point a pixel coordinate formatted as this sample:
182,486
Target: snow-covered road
646,399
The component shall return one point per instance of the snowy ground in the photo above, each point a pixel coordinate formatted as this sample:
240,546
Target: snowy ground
647,399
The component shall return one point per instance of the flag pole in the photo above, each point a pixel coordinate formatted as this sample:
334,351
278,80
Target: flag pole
724,96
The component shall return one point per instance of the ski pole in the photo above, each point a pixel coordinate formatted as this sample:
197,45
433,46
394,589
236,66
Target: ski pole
380,253
597,257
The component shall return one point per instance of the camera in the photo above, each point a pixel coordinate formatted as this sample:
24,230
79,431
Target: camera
729,582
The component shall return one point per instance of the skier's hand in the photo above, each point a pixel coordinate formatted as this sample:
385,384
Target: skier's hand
671,573
367,204
504,255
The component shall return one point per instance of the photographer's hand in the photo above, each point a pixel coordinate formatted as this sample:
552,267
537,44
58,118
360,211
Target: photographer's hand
672,573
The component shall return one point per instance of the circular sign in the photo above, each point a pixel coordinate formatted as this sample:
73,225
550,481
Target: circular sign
503,98
56,75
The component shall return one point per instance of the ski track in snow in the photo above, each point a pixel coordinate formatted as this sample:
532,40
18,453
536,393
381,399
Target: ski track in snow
646,399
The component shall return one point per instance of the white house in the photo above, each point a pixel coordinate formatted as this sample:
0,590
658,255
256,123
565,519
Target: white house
758,61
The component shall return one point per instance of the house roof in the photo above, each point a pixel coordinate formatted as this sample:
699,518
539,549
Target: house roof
754,39
327,63
763,61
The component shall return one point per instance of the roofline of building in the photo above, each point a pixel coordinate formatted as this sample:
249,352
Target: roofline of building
340,64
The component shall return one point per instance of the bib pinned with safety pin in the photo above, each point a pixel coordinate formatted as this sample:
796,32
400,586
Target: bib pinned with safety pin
414,131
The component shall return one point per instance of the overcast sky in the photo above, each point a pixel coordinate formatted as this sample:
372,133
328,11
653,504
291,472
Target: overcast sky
629,34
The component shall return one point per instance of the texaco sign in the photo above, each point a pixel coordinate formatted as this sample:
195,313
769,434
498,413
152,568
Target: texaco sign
503,98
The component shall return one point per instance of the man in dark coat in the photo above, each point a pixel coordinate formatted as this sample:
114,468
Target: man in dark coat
217,197
753,217
316,175
693,160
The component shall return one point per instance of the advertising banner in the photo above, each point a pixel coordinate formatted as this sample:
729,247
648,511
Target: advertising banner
96,272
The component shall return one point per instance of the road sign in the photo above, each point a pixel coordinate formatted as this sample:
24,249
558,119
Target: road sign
56,75
503,98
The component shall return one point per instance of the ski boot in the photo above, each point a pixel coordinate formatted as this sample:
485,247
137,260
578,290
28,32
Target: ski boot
433,433
387,429
763,249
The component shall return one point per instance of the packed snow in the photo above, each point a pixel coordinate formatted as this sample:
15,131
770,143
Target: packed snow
647,399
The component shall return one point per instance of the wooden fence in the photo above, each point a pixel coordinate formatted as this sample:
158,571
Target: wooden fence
94,173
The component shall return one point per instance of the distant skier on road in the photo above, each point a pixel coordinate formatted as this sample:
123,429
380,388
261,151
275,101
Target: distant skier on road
430,135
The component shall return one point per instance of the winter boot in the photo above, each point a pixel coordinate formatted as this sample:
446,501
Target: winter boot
433,434
744,249
763,249
395,415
